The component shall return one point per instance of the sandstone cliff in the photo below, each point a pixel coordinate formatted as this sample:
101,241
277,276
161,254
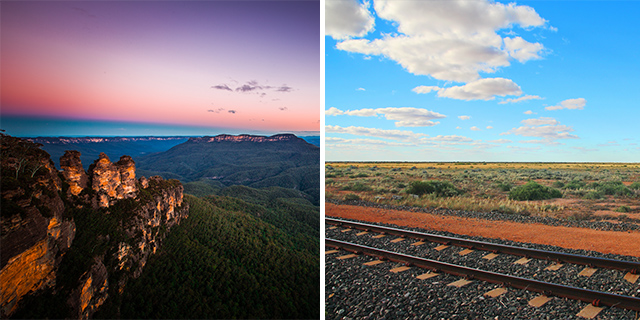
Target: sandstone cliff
121,221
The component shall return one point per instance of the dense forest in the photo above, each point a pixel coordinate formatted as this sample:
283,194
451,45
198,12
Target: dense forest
225,261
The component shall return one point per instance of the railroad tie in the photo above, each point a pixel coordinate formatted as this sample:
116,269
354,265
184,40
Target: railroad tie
460,283
400,269
330,251
587,272
373,263
554,266
419,243
427,275
346,230
441,247
361,233
490,256
348,256
397,240
631,277
589,312
539,301
496,292
522,261
465,252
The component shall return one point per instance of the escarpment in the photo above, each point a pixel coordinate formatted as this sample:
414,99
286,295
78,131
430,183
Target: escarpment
76,236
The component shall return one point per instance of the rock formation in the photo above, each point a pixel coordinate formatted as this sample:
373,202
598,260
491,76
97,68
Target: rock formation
35,233
73,172
38,225
111,181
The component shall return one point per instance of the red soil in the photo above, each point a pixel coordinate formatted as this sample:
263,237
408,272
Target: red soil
616,242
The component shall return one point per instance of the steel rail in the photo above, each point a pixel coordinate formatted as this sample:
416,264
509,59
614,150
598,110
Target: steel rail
630,266
590,296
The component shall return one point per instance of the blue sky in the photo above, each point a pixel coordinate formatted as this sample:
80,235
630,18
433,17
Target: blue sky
482,81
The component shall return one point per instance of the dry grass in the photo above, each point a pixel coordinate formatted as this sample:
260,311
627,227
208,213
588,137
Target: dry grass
485,186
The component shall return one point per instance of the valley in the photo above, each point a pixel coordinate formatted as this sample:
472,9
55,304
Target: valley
120,239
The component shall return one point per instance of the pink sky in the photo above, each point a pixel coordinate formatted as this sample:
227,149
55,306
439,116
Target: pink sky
160,61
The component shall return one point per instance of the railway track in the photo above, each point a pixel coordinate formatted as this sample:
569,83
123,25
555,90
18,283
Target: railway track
385,236
630,266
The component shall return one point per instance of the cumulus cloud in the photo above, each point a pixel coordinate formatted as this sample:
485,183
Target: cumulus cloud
464,117
540,121
500,141
232,111
474,128
373,132
369,142
481,89
548,129
450,138
403,117
523,98
447,40
572,104
489,127
347,18
360,89
529,112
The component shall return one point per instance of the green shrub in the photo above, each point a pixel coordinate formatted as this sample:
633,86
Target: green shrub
533,191
557,184
504,186
357,186
575,184
635,186
614,188
351,196
623,209
439,188
593,195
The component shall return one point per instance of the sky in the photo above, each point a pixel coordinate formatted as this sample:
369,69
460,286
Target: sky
553,81
159,67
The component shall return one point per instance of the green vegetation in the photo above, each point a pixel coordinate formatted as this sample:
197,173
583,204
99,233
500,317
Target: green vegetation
351,197
533,191
623,209
223,262
439,188
292,164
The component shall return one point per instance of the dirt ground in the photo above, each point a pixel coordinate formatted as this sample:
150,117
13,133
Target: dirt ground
622,243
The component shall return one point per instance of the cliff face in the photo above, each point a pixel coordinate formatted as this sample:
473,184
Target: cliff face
35,233
246,138
40,209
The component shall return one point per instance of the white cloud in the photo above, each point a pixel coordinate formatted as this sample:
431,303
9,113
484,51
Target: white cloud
500,141
522,50
548,129
489,127
403,117
540,121
450,138
474,128
458,127
450,40
347,18
372,142
373,132
360,89
572,104
523,98
464,117
333,112
425,89
529,112
481,89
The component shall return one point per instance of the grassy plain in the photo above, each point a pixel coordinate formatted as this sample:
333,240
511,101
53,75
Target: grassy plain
589,191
